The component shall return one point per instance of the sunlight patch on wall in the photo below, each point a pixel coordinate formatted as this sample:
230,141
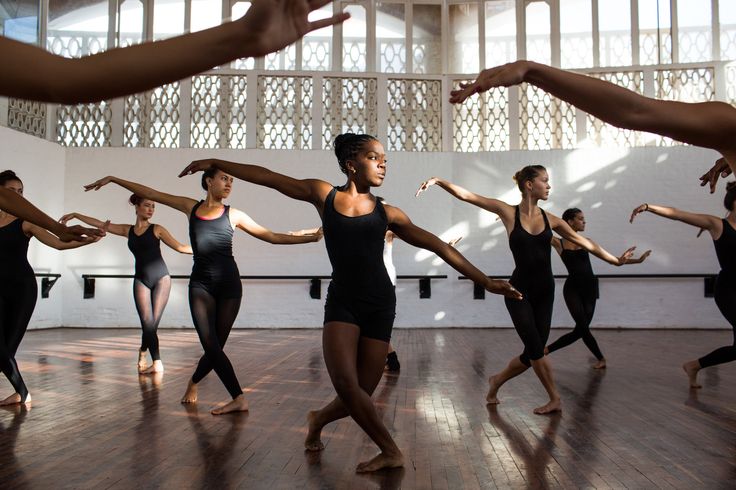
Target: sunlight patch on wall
582,163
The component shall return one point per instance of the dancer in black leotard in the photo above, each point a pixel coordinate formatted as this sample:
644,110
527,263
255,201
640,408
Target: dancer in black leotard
530,233
360,306
215,290
581,288
152,283
18,288
723,232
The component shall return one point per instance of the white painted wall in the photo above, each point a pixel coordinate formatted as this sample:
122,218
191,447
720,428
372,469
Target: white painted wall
605,183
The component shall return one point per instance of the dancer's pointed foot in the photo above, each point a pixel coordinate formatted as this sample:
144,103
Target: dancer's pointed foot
381,461
238,404
16,399
600,364
551,407
691,368
142,365
190,396
156,367
492,397
313,442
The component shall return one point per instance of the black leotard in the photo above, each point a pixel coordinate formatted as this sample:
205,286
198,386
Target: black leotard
532,276
18,293
725,293
361,292
214,268
580,292
149,265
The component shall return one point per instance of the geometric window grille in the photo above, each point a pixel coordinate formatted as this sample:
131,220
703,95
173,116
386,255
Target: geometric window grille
728,42
316,53
607,135
218,111
415,115
684,85
152,118
348,105
546,122
71,44
652,53
393,55
731,84
27,116
284,113
695,44
481,123
282,60
84,125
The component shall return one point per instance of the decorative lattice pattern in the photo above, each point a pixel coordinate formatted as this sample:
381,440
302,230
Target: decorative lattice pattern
684,85
282,60
393,55
695,44
731,84
481,123
615,48
348,104
653,53
353,55
316,54
606,135
27,116
576,51
284,112
728,42
84,124
152,118
71,44
218,111
546,122
415,115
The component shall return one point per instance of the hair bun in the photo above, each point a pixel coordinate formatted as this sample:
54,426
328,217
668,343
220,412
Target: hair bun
731,185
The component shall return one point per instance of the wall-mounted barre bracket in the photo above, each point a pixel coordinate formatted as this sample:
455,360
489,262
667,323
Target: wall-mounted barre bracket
47,282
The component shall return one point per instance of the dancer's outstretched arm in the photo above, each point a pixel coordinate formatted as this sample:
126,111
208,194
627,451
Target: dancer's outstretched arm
17,205
557,245
248,225
165,236
268,26
53,241
565,231
115,229
713,224
400,224
180,203
707,124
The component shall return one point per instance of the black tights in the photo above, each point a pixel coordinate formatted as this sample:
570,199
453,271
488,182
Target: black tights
532,316
17,301
725,296
582,306
213,318
150,304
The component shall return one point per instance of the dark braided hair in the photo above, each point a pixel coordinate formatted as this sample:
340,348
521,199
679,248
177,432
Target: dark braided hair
730,195
8,176
530,172
570,214
347,146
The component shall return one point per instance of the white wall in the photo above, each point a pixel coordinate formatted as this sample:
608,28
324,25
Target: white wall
605,183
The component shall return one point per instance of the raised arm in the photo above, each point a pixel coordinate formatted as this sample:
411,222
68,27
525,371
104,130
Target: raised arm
713,224
268,26
53,241
400,224
503,210
248,225
180,203
163,234
16,205
566,232
310,190
115,229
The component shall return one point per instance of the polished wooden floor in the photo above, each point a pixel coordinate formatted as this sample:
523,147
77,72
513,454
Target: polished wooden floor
96,424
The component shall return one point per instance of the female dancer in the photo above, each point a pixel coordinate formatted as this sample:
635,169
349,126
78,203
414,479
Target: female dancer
152,282
707,124
215,290
530,234
18,290
723,232
581,288
360,305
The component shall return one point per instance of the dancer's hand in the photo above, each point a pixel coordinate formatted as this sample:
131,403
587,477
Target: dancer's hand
504,288
197,166
624,257
66,218
426,185
499,76
316,232
644,256
95,186
275,24
719,169
639,209
454,241
78,233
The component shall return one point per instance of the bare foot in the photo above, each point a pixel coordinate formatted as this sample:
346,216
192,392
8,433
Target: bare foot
600,364
551,407
691,368
156,367
313,442
239,404
492,391
15,399
380,462
142,366
190,396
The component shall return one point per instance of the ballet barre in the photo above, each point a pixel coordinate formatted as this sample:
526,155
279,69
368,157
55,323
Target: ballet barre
709,281
315,282
47,282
